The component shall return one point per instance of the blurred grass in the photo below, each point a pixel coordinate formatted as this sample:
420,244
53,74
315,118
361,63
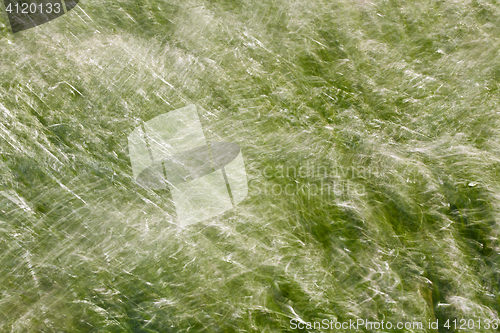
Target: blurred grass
402,94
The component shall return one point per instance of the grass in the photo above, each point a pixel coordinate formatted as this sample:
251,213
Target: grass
394,99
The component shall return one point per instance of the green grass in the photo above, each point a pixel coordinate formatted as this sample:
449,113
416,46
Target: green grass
398,99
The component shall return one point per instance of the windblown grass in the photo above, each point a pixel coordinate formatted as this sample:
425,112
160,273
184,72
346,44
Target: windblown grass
396,99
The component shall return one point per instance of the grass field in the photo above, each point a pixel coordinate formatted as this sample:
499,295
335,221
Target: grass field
370,133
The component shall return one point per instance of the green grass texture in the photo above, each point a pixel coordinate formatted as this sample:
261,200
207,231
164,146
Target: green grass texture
370,134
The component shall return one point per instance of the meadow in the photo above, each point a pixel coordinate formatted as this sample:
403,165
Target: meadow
396,99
